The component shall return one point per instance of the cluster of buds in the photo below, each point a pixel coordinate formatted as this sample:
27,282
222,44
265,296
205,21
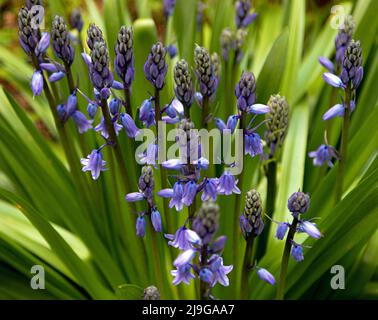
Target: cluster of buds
243,17
146,187
251,223
61,41
124,61
155,68
184,88
206,76
298,204
277,122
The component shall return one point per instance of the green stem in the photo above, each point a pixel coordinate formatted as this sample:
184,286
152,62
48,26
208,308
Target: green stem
113,141
205,112
157,261
244,294
344,147
235,221
238,201
163,174
71,83
204,287
271,176
128,108
285,259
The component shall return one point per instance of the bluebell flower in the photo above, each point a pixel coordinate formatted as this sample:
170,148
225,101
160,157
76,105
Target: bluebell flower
177,196
184,258
173,164
170,110
170,120
134,197
253,144
333,80
147,113
220,124
150,156
61,109
114,106
141,226
156,220
91,110
227,184
324,154
172,51
87,59
282,230
218,245
184,239
266,276
129,125
56,76
232,122
297,253
206,275
101,127
116,85
202,163
258,108
199,98
43,43
219,270
309,228
81,122
190,192
336,111
36,83
50,67
94,163
210,189
71,105
182,274
326,63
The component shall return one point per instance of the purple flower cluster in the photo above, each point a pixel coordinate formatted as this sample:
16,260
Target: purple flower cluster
349,80
298,204
191,163
243,17
245,93
199,241
145,193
